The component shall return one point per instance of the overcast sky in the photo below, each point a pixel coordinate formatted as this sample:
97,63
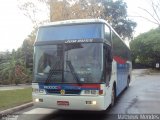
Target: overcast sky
14,26
134,10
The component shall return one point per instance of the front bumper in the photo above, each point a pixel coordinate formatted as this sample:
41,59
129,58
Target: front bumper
75,102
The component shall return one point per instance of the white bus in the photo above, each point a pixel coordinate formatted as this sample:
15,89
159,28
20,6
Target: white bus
79,65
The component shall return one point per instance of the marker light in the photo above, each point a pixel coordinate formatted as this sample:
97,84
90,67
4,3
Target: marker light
100,92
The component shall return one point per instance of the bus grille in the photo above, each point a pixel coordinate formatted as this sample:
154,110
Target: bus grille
67,92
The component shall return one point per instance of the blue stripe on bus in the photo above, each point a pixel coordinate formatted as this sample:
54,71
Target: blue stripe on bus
64,87
122,76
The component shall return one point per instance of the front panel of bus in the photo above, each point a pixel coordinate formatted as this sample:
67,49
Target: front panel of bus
69,67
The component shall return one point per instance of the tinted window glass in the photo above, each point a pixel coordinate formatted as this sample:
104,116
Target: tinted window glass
107,35
65,63
119,48
68,32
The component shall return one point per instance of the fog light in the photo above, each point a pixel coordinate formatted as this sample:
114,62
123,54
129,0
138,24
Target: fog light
88,102
36,100
94,102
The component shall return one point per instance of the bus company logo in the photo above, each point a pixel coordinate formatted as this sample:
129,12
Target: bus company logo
62,92
79,41
52,87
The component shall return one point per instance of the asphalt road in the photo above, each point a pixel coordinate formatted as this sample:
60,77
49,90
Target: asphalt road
142,97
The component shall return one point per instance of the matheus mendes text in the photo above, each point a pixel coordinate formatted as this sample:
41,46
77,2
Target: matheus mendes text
138,117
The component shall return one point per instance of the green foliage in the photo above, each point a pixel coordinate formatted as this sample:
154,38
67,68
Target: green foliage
12,98
146,47
13,65
27,49
116,14
8,69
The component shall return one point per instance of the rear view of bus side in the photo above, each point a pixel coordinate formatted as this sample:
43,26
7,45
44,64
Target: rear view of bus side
79,65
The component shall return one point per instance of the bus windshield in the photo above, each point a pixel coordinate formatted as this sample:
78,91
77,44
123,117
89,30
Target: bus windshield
70,32
69,63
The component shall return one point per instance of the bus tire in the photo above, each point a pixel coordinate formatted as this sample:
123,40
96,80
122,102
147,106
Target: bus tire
128,81
113,96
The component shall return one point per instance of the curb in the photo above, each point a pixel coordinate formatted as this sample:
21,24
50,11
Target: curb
15,109
153,74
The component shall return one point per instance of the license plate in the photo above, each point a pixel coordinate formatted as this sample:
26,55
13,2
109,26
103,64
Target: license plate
63,103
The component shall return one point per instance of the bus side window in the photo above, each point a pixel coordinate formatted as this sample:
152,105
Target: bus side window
107,63
107,35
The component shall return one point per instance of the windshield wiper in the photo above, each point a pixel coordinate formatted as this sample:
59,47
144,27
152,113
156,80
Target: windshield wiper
73,71
52,71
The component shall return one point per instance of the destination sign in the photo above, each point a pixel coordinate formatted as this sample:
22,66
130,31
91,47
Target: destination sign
79,41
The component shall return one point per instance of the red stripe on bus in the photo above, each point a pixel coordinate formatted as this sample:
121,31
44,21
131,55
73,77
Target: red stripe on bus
119,60
88,85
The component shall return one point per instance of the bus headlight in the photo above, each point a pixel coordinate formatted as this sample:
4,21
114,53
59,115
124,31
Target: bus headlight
94,92
87,92
36,90
90,92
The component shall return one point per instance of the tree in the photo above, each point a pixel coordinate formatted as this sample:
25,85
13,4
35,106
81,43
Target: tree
153,12
27,49
115,12
33,9
63,10
15,67
8,69
146,48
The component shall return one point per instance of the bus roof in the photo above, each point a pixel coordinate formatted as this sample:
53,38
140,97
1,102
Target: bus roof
75,21
81,21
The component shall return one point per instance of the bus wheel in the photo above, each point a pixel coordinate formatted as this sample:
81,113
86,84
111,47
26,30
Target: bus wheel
128,81
113,97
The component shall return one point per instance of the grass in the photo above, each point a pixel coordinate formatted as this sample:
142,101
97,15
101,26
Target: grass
12,98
